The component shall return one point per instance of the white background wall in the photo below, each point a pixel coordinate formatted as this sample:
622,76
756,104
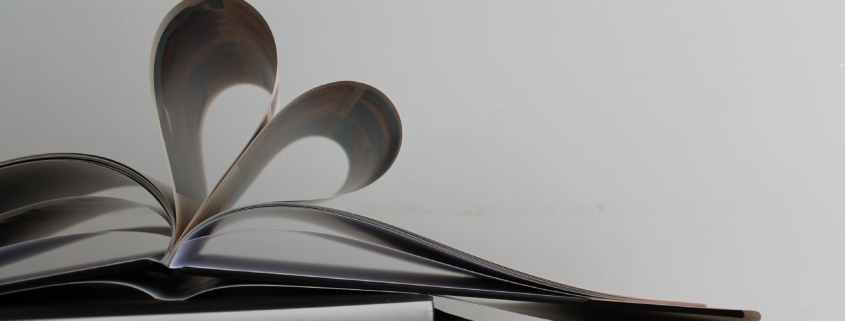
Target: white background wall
671,150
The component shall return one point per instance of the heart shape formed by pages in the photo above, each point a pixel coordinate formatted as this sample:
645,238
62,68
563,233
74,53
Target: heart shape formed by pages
206,47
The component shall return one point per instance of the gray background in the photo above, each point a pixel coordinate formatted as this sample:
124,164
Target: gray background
683,151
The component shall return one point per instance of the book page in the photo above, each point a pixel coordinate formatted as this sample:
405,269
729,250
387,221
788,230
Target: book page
78,215
356,116
201,49
69,253
55,218
289,240
318,255
28,180
315,219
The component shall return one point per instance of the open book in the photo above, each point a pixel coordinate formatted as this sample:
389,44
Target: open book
61,223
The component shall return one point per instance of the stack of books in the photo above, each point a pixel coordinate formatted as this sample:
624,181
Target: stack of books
72,248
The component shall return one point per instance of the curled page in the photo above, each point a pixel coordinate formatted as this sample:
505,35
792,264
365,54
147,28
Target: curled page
202,48
67,216
51,256
356,116
326,221
34,179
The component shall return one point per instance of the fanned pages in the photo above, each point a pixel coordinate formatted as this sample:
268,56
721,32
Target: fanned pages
61,226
